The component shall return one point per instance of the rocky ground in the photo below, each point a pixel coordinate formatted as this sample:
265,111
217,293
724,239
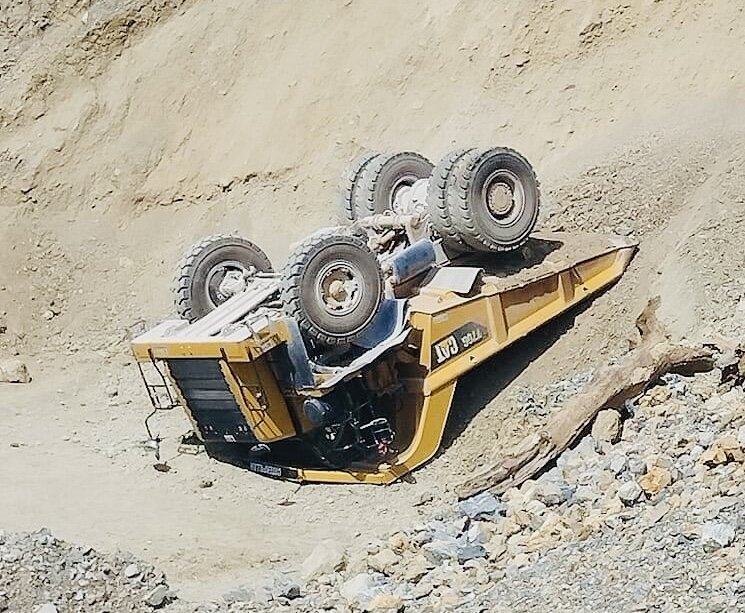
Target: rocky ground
41,573
645,513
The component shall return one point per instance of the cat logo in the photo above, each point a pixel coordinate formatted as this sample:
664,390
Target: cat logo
467,336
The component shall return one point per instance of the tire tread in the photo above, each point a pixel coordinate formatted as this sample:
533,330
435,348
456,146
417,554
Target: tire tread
437,197
290,286
459,204
371,175
186,269
348,193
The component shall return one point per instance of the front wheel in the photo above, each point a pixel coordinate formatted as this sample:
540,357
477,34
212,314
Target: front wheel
213,270
333,287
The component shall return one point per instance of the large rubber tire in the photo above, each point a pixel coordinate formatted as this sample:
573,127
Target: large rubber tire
383,175
478,175
201,266
306,280
348,190
440,185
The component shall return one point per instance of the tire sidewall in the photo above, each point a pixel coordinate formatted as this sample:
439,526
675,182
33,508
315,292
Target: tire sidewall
392,172
483,220
372,290
221,251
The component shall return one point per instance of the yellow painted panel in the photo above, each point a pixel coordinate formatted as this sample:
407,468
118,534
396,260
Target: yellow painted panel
260,399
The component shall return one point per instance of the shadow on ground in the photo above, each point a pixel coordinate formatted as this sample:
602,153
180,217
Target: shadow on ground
480,386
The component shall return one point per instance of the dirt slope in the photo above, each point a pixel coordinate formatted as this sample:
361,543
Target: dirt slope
242,115
130,129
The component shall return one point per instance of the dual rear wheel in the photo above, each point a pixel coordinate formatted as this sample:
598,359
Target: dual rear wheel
477,199
484,199
374,181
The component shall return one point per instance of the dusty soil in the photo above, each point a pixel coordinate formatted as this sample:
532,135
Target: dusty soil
130,129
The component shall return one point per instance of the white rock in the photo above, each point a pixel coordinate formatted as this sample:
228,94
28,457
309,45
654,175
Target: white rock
586,493
327,558
476,534
713,404
383,561
629,492
157,596
741,437
360,589
705,438
618,463
13,370
607,426
637,466
481,506
716,535
441,549
585,449
46,608
734,397
385,601
424,498
552,493
416,567
131,570
696,452
471,552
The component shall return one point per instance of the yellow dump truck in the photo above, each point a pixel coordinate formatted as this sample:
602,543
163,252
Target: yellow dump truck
342,367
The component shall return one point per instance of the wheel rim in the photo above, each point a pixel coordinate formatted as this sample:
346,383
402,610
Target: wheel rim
338,289
400,188
504,196
213,289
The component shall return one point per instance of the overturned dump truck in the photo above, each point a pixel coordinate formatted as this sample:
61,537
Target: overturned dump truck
342,367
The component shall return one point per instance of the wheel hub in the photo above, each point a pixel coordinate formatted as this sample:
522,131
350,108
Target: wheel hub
504,196
338,288
225,280
401,194
499,199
